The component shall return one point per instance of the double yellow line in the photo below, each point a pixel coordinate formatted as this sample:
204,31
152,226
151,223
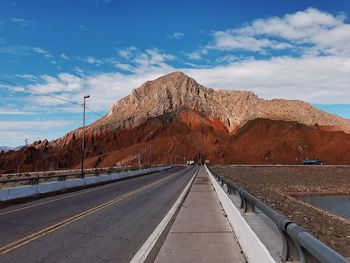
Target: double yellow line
50,229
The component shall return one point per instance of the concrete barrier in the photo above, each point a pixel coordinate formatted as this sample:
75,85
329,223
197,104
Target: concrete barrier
254,250
12,193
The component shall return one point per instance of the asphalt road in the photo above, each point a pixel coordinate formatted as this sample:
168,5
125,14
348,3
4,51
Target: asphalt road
108,223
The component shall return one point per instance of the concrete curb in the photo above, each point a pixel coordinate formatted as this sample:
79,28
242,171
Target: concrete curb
13,193
254,250
146,248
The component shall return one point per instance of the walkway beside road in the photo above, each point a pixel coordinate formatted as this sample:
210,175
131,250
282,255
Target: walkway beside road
201,231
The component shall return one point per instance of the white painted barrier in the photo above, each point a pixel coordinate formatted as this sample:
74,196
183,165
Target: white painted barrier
11,193
254,250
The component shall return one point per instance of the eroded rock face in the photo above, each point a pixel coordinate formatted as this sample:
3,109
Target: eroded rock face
176,91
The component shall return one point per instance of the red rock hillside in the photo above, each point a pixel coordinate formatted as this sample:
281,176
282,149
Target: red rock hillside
188,135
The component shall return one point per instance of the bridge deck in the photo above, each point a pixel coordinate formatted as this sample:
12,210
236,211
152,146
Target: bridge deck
201,232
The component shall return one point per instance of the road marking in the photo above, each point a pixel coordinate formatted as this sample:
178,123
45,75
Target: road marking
50,229
57,199
147,246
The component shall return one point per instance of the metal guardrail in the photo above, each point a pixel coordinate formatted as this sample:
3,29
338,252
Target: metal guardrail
35,180
298,244
62,177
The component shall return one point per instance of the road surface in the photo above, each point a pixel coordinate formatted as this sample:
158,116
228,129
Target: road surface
108,223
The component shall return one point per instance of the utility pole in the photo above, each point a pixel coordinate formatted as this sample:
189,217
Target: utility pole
150,149
26,142
83,139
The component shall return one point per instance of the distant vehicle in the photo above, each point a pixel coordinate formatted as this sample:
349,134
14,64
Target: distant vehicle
312,162
190,162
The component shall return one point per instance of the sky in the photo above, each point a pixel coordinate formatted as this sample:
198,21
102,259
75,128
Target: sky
105,48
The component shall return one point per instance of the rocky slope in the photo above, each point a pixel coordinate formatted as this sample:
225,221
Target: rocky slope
187,135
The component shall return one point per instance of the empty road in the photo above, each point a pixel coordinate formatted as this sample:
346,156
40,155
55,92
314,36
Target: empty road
108,223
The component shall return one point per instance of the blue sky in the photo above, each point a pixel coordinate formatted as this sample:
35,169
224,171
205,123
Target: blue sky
105,48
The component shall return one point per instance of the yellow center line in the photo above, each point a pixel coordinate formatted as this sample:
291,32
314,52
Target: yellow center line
50,229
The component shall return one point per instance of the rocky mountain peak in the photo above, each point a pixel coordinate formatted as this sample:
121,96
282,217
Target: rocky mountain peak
177,92
171,85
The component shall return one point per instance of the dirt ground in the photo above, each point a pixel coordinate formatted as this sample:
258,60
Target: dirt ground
280,187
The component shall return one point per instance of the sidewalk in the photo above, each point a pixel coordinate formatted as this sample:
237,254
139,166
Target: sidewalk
201,232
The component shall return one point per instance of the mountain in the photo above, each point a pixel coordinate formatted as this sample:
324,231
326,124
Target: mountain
176,91
189,121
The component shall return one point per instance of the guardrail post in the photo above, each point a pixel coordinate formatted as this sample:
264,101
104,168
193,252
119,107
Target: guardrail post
61,178
33,181
229,189
241,204
295,251
248,207
290,252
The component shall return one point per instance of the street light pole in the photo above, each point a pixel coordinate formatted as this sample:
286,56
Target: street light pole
150,149
83,140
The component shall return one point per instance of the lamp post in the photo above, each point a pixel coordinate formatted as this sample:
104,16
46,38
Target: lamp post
150,149
83,140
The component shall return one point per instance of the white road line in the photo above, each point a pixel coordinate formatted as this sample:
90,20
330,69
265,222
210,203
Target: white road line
146,248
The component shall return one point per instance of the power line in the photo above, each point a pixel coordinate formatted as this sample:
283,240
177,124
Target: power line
39,92
48,95
94,111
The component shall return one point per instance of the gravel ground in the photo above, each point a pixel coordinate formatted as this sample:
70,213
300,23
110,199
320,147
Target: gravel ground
281,186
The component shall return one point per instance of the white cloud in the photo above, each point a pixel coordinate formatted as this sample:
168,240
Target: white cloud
64,56
93,61
228,41
16,50
324,32
153,57
29,77
15,132
227,59
124,66
312,79
128,52
79,70
6,111
198,54
63,83
43,52
177,35
21,21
